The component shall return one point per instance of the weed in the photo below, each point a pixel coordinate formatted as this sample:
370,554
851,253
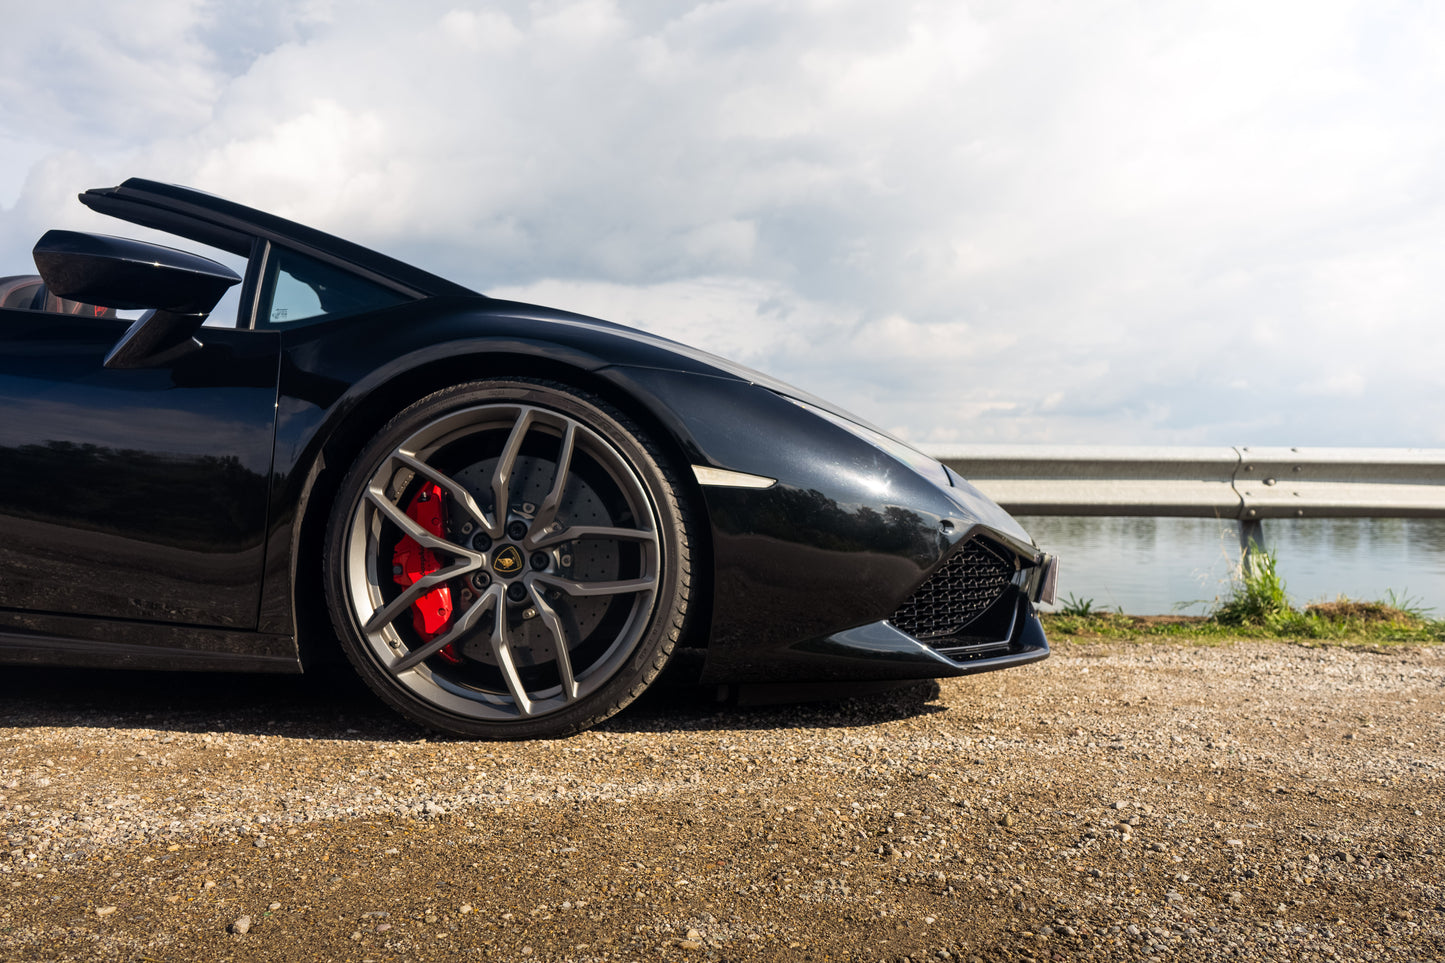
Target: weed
1407,604
1081,608
1258,596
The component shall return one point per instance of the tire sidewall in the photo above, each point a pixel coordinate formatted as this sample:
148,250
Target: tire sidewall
661,488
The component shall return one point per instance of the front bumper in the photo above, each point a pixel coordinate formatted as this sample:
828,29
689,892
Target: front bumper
879,652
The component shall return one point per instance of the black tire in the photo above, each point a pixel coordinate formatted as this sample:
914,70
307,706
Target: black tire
560,610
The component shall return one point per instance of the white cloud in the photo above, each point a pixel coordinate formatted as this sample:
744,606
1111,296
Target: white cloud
1169,223
103,73
1344,384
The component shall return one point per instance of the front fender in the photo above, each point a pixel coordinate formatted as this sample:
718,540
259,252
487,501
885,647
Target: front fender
840,540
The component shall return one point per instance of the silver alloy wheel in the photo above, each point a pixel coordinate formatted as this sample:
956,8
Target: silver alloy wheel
519,481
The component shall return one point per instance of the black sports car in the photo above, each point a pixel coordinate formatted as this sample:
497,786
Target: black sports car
512,517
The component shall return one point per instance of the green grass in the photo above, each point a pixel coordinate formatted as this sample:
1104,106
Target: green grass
1258,607
1308,628
1257,596
1083,608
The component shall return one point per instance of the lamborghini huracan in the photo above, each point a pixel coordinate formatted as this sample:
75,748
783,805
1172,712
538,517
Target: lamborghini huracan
509,519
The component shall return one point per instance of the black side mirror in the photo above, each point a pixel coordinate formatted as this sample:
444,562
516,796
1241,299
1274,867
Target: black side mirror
116,272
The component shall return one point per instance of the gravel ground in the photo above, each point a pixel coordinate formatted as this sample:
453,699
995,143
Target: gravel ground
1245,801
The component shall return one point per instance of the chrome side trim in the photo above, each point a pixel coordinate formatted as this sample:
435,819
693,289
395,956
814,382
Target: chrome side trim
722,478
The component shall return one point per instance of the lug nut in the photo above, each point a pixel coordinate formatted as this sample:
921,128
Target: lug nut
539,560
517,592
517,531
481,542
481,580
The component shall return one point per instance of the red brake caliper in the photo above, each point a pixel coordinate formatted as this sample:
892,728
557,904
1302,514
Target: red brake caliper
410,562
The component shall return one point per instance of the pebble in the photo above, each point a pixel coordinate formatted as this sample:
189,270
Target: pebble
870,764
241,926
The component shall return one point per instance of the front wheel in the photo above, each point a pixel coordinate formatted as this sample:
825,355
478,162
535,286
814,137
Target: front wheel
509,560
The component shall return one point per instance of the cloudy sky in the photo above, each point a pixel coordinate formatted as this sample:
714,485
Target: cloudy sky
1083,222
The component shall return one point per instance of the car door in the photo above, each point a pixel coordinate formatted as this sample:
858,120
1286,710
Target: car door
135,494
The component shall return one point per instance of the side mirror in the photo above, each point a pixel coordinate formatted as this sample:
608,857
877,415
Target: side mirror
116,272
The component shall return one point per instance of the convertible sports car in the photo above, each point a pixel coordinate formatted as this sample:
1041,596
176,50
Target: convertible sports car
511,517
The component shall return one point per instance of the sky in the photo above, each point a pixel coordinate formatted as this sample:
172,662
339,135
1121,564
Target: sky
1090,222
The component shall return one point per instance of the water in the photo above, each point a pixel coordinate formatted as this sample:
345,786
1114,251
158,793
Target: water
1157,566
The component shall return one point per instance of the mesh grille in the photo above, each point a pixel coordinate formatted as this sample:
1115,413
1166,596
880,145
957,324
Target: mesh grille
970,581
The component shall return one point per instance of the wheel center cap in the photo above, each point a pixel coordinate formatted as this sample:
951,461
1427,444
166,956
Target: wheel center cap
508,561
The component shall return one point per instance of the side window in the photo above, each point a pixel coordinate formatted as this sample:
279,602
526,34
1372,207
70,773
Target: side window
298,288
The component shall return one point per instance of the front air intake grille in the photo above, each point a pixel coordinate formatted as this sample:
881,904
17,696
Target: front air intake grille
970,581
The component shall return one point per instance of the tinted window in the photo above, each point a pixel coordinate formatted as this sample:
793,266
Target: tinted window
300,288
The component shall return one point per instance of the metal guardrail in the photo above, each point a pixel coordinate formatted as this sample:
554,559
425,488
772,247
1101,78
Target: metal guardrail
1248,484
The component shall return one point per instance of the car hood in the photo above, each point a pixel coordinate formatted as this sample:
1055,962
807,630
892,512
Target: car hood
664,353
688,358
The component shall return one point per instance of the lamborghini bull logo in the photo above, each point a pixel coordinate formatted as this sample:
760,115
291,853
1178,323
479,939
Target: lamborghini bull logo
508,561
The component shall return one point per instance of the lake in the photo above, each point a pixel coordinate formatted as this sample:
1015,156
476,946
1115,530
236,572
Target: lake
1158,566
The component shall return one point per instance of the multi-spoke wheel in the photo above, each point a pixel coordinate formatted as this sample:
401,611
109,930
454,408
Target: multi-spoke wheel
509,560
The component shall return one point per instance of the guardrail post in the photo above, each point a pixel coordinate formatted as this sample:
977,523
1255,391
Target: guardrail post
1251,540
